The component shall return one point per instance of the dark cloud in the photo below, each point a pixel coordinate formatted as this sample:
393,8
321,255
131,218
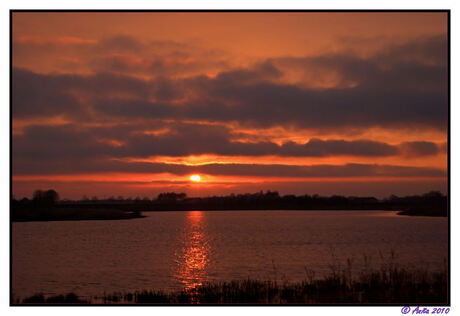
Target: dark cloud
416,65
418,149
398,92
260,72
124,54
45,144
49,95
118,54
40,95
348,170
432,50
120,43
321,148
269,104
77,166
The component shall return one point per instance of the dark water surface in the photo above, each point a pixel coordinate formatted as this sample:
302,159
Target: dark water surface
171,250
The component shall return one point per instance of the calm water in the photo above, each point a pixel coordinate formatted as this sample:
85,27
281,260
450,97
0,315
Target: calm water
172,250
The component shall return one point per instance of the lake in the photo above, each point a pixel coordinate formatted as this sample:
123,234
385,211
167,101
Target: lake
172,250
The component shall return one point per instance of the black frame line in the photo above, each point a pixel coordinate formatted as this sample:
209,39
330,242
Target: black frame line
448,11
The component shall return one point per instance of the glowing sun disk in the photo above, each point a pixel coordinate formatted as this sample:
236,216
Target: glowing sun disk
195,178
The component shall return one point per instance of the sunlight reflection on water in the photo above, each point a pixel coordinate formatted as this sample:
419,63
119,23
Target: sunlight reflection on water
192,258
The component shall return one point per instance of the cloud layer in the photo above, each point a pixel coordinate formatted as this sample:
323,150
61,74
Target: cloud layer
406,86
370,105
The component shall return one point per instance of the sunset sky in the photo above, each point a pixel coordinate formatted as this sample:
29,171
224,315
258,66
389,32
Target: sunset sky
133,104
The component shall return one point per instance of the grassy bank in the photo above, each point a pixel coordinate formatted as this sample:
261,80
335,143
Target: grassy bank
384,286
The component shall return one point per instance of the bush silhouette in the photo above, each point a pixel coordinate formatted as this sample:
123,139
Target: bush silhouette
45,198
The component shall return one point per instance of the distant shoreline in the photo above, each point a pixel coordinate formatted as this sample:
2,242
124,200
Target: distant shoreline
46,206
88,213
423,212
71,214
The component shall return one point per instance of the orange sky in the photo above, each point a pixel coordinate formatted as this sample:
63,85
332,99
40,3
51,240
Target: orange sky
302,102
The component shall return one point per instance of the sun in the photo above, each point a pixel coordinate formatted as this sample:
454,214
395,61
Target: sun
195,178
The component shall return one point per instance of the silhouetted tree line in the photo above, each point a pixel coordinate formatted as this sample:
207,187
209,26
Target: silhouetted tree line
432,203
45,198
45,206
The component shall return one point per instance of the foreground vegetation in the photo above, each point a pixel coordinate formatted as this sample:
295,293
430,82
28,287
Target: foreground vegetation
389,285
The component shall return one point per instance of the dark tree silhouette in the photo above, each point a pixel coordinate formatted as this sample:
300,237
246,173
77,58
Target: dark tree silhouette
430,204
171,196
45,198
